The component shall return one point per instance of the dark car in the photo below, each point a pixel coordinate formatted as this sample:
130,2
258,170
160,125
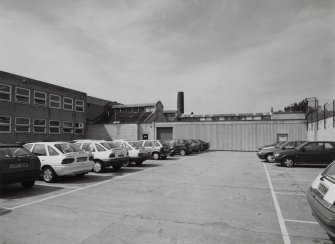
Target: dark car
179,146
205,145
195,146
275,144
268,152
317,152
18,165
321,200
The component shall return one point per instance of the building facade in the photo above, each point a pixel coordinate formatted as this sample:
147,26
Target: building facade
32,110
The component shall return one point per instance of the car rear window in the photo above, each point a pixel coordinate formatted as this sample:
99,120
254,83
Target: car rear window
67,148
9,152
109,145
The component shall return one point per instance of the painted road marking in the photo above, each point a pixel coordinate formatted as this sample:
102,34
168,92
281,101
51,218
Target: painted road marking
281,221
301,221
293,180
295,172
86,187
57,185
290,193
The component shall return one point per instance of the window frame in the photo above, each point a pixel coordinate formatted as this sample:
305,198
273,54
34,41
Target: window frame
51,100
20,95
28,125
67,127
6,124
76,106
40,126
53,126
9,93
79,128
45,99
66,103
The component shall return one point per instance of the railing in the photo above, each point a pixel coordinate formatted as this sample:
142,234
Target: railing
317,113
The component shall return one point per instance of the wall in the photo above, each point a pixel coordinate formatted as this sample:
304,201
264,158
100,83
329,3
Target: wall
112,131
321,133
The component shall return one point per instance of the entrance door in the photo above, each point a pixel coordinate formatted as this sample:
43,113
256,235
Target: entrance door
164,133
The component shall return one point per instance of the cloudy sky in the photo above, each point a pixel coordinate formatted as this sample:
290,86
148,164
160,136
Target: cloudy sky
227,56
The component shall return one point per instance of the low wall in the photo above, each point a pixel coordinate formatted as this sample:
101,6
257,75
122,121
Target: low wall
322,132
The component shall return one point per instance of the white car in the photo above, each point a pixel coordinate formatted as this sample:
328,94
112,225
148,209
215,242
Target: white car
60,158
321,198
159,149
137,153
105,153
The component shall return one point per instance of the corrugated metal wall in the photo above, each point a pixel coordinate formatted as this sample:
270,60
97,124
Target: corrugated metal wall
238,135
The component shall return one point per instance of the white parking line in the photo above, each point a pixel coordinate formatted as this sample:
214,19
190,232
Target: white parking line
281,221
57,185
86,187
295,172
301,221
292,180
290,193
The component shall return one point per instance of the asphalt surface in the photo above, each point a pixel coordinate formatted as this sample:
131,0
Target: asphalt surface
210,197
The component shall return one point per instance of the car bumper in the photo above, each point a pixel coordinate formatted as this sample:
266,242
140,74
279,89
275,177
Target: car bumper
261,155
278,160
322,214
17,177
138,159
115,162
73,169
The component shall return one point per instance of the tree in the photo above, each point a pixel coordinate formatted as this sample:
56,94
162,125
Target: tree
297,107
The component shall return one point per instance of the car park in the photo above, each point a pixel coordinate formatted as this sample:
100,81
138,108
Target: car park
179,146
137,153
159,149
18,165
61,158
317,152
105,153
321,198
267,153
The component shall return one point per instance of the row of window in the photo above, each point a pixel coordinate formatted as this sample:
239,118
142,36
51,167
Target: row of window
39,126
23,95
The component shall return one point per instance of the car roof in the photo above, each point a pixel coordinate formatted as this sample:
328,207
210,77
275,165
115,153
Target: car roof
48,142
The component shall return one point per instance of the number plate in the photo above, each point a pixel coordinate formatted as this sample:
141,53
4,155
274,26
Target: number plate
18,165
323,189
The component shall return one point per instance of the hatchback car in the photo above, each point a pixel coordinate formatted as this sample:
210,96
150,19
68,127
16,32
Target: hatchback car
203,145
105,154
18,165
159,149
179,146
61,158
317,152
267,153
321,198
137,153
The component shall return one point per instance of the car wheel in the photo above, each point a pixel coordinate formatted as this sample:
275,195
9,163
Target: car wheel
155,156
288,162
126,164
139,163
268,157
182,152
97,167
117,167
48,175
28,184
80,175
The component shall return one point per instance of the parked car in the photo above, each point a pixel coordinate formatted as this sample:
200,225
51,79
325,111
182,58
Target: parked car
61,158
196,146
317,152
105,154
18,165
203,145
268,152
275,144
179,146
321,198
137,153
158,149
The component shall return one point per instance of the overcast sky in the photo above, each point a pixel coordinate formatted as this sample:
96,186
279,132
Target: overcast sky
226,56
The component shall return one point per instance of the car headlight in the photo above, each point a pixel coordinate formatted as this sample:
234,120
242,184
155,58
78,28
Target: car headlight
276,154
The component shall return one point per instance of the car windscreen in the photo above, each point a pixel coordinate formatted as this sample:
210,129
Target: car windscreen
135,144
109,145
163,143
330,171
67,147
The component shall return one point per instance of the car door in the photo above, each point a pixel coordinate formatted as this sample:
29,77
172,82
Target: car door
40,151
329,152
311,153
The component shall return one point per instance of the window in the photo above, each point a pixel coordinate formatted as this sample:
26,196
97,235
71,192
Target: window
39,150
67,127
52,152
54,101
148,144
40,98
156,144
67,103
5,124
40,126
79,105
22,125
28,146
22,95
79,128
5,92
100,148
88,147
314,147
329,147
54,127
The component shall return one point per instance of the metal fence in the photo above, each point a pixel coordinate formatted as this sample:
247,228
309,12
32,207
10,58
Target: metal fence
317,113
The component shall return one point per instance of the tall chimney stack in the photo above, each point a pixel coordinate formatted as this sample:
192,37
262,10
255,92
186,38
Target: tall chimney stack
180,102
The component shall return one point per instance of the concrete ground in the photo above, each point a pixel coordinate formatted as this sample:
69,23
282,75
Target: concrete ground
210,197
